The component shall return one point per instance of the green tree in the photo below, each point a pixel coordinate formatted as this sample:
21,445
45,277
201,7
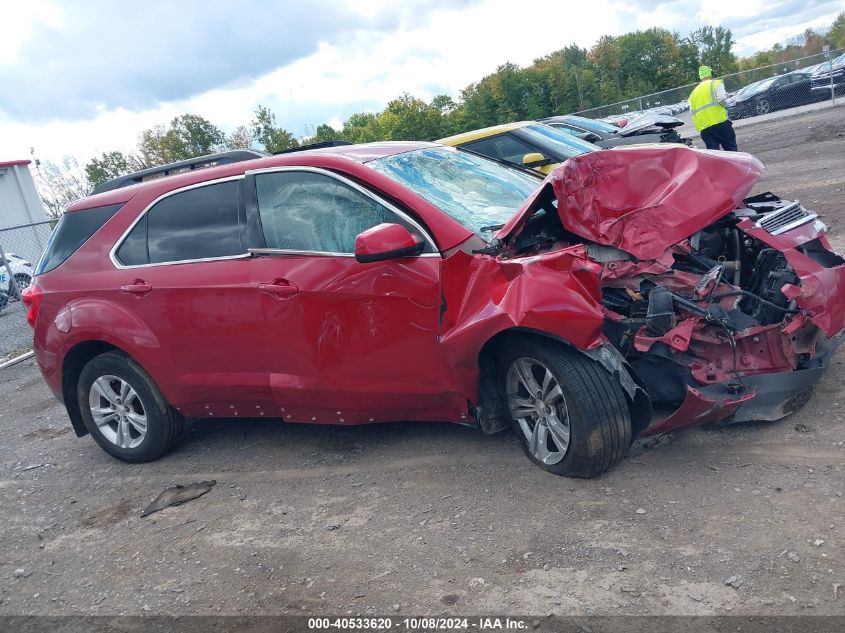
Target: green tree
240,138
110,165
187,136
325,132
264,130
714,46
835,36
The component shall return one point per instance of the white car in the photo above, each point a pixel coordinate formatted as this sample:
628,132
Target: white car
21,270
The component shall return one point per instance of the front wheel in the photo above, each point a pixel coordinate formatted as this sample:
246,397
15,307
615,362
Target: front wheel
570,414
123,409
763,106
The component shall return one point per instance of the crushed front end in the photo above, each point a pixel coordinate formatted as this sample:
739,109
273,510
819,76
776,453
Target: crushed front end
726,307
742,321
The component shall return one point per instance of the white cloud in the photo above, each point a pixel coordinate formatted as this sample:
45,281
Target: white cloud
444,54
19,21
441,49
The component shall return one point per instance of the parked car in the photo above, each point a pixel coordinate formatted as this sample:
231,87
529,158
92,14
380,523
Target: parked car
774,93
413,281
831,74
21,274
527,144
646,129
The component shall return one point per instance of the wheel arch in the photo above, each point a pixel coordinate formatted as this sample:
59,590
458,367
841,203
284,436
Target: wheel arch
489,413
74,360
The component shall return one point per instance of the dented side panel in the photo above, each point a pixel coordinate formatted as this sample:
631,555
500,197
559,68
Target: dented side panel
556,293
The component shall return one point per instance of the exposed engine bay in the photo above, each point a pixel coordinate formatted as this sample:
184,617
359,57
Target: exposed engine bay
736,321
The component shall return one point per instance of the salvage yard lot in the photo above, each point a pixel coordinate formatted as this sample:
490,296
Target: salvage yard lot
430,518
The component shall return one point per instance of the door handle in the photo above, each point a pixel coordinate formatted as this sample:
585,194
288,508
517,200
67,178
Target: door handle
138,287
279,288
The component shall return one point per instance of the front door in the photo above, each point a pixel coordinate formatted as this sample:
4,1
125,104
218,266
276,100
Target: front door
346,342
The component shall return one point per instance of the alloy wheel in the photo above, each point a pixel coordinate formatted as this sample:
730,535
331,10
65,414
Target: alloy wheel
117,411
763,106
537,403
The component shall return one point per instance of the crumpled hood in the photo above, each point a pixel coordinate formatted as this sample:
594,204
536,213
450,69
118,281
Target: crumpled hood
650,123
644,199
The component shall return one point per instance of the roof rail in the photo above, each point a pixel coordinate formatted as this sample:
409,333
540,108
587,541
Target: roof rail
180,167
318,145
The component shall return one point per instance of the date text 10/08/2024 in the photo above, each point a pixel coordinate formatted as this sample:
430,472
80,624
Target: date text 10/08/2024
419,624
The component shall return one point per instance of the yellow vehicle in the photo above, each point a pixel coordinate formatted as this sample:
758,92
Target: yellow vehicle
526,144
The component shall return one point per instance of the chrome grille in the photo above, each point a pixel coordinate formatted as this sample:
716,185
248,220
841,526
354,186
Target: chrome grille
785,219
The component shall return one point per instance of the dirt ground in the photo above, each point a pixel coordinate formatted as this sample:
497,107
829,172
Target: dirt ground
431,519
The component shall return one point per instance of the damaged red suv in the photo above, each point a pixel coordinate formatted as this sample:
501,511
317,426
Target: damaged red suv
411,281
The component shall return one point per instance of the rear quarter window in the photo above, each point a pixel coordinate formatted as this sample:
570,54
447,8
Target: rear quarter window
72,231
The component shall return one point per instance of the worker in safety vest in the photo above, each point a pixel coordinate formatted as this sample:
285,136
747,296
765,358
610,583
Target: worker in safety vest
709,112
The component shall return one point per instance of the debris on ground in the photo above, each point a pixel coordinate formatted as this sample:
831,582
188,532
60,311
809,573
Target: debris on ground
802,428
331,525
735,581
32,467
178,495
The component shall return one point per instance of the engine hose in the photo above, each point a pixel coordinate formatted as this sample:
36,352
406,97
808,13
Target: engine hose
751,295
738,260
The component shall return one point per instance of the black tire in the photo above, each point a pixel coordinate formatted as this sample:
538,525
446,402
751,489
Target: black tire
599,420
163,424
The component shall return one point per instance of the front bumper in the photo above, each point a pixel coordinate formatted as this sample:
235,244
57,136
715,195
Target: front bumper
766,397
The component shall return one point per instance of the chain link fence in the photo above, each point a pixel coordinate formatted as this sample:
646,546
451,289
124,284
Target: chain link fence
20,249
816,79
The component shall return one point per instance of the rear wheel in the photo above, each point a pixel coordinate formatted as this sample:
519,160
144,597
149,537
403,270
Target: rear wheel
123,409
568,411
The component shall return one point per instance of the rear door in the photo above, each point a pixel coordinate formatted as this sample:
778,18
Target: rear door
344,341
785,93
183,267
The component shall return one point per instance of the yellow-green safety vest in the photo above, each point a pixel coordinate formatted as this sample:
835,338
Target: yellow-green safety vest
705,106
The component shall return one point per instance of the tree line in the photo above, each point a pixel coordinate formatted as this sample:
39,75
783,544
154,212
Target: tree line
567,80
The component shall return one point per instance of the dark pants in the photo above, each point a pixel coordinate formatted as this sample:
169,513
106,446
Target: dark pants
720,134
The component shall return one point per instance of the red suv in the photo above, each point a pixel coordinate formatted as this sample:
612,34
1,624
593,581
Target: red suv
377,282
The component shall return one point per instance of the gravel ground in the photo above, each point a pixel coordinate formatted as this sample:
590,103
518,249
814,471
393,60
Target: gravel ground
15,333
428,518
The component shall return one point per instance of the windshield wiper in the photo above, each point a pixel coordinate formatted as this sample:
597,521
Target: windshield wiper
492,227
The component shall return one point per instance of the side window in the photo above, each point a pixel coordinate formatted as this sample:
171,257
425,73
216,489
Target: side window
199,223
306,211
504,147
72,231
133,251
574,131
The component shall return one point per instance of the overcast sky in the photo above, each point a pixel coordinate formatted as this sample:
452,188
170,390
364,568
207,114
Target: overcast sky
81,77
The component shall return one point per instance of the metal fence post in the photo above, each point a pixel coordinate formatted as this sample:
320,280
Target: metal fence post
12,283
